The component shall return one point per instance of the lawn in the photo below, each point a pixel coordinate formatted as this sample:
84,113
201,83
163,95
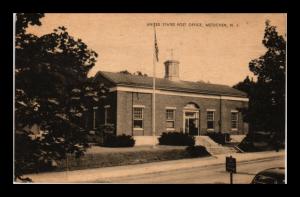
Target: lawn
96,157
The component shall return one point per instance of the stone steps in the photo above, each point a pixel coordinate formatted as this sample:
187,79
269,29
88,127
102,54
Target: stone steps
205,141
237,138
212,147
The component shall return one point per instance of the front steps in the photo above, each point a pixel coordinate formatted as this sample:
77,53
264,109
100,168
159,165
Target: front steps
212,147
237,138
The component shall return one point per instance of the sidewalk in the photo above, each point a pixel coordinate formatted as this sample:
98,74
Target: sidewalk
92,175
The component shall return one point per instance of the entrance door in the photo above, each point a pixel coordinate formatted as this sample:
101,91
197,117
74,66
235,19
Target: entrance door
191,122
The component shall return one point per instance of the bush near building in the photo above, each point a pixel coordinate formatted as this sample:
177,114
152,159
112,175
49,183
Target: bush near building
96,136
176,139
118,141
104,135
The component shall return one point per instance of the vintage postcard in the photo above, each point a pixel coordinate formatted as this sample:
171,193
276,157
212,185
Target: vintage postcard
150,98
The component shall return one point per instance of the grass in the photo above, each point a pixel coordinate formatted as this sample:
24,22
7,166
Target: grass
106,157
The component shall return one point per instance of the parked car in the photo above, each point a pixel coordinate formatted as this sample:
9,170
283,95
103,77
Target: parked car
270,176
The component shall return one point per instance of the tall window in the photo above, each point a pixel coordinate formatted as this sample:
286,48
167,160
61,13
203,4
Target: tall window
234,120
94,117
210,120
107,114
170,118
138,116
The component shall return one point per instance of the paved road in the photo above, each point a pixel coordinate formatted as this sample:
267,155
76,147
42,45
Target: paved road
209,174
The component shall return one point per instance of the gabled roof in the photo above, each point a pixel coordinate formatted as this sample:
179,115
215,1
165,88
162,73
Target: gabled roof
128,80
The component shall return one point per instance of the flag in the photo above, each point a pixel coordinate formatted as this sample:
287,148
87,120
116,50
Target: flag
155,46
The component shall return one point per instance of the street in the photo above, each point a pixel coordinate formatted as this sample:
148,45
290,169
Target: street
214,174
194,170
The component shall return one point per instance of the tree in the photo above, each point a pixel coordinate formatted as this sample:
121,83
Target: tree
245,85
248,86
139,73
267,95
52,92
202,81
125,72
25,19
270,70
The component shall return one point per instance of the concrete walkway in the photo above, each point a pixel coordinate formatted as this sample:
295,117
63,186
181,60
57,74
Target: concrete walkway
92,175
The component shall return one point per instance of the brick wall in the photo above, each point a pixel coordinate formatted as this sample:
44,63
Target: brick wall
126,100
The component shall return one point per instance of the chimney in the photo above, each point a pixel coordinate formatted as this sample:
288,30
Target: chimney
172,70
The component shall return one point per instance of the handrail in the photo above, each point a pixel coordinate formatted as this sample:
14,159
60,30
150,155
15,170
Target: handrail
240,150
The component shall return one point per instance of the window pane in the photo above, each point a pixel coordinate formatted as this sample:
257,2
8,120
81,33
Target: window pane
137,113
210,116
170,114
137,117
234,120
210,124
234,115
108,115
138,123
234,125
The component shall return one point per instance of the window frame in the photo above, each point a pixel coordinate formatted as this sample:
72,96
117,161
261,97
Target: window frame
106,107
173,109
213,119
95,108
236,121
138,119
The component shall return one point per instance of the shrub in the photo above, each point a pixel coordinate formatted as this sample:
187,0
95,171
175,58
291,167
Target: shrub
247,145
197,151
106,129
260,141
176,139
93,138
123,140
219,137
97,136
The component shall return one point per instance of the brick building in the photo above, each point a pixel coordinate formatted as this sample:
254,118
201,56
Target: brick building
192,107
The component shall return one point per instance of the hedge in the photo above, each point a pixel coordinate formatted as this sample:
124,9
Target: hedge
176,139
118,141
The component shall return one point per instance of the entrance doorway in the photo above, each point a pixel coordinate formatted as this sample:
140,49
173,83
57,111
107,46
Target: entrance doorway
191,119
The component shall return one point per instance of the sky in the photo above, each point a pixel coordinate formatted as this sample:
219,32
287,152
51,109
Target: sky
215,48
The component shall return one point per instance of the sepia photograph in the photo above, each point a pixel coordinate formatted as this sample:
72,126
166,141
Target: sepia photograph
150,98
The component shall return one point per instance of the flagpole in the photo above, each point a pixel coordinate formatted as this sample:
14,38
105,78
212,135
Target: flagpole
153,94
